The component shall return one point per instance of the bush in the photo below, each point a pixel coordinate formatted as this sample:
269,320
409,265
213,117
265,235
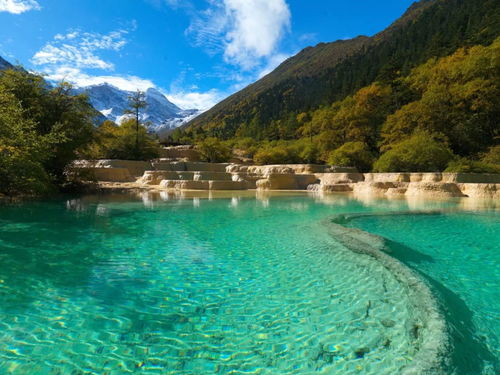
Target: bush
20,174
471,166
213,151
119,142
304,151
247,147
353,154
280,154
419,153
492,156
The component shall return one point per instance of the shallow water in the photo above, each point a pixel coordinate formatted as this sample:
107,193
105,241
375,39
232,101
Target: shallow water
240,284
460,254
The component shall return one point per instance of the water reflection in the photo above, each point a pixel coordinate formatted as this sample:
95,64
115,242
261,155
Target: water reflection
151,199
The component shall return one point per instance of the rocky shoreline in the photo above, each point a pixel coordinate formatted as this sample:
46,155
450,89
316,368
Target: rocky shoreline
166,174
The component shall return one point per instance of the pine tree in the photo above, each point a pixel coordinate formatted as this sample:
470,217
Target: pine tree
136,102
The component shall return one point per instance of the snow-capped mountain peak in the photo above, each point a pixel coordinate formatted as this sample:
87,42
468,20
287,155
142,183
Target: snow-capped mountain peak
160,113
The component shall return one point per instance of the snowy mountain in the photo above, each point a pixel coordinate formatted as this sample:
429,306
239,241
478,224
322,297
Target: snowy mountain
160,113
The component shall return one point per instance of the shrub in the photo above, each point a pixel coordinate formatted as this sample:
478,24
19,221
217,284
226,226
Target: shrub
353,154
309,154
21,174
471,166
419,153
213,151
112,141
280,154
247,147
492,156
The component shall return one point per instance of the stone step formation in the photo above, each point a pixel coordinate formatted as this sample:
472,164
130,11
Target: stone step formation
180,168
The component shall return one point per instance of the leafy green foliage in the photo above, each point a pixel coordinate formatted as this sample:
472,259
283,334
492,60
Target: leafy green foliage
67,119
214,151
492,156
22,151
471,166
279,154
287,152
457,96
422,152
127,142
353,154
41,131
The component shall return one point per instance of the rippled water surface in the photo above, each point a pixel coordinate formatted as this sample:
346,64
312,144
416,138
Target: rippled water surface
460,254
236,285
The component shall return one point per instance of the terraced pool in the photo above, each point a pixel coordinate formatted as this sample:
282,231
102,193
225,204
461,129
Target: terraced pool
244,285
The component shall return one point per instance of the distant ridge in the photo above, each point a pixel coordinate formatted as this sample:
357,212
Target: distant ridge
328,72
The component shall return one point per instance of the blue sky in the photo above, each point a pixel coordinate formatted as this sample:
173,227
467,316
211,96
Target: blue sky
195,51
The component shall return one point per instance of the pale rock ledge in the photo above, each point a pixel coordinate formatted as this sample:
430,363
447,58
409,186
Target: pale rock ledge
194,175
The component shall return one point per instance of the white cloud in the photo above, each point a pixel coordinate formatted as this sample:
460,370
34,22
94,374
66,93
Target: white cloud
247,31
77,49
18,6
68,56
258,26
199,100
81,79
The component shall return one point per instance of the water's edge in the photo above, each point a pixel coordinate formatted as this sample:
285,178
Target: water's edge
429,327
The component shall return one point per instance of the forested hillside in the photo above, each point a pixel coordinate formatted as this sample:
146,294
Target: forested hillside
328,72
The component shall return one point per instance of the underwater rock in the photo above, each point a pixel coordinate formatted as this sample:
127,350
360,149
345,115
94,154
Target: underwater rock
360,353
388,323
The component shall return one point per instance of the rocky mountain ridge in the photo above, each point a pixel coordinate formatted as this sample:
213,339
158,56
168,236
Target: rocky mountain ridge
160,114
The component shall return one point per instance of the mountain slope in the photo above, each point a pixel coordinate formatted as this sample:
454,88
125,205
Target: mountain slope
160,112
4,64
330,71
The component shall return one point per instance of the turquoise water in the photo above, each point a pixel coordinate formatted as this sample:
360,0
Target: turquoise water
236,285
460,254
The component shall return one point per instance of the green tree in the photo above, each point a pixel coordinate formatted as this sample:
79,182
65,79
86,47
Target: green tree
213,151
124,141
422,152
277,153
65,118
60,122
353,154
22,151
492,156
136,102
